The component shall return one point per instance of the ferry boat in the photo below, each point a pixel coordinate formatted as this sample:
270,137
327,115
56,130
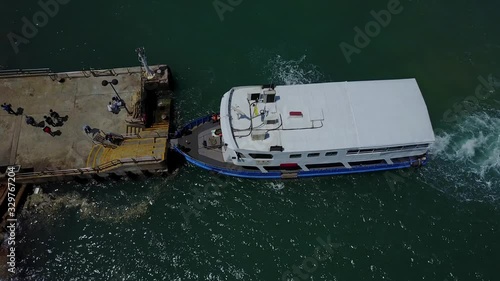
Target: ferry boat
296,131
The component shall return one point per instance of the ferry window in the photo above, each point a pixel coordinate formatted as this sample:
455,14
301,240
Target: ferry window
380,150
272,168
367,163
352,152
276,148
261,156
400,160
271,121
366,151
270,98
332,153
295,155
254,96
422,145
251,168
396,148
409,147
325,166
313,155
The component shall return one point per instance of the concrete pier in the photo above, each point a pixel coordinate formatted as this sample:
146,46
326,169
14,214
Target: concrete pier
81,96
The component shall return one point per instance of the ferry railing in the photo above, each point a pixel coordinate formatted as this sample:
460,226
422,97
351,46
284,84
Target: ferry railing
119,162
12,73
93,73
193,124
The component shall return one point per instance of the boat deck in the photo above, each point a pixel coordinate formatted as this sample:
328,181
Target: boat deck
192,144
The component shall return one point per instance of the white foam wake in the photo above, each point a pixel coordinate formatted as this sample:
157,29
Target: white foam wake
292,72
474,143
467,156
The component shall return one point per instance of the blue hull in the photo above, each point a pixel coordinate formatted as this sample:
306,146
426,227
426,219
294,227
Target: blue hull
300,174
278,175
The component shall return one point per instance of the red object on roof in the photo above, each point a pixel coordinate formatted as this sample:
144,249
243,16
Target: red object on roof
296,113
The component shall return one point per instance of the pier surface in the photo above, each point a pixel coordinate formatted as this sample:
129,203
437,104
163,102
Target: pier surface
83,99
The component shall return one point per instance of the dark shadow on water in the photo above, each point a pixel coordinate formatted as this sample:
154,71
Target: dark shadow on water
57,133
41,124
81,180
20,111
99,179
133,176
114,177
176,160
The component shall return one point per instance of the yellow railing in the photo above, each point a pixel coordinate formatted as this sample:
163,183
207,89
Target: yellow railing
84,171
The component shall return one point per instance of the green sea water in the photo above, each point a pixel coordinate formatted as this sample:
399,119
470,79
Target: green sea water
441,222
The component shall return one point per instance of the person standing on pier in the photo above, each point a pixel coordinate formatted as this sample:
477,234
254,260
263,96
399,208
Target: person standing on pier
54,115
117,102
49,121
59,121
87,129
8,108
48,130
113,108
31,121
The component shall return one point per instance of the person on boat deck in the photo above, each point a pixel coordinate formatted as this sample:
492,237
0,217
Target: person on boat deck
215,118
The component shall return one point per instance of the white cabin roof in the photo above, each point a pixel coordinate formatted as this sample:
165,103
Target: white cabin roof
367,114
